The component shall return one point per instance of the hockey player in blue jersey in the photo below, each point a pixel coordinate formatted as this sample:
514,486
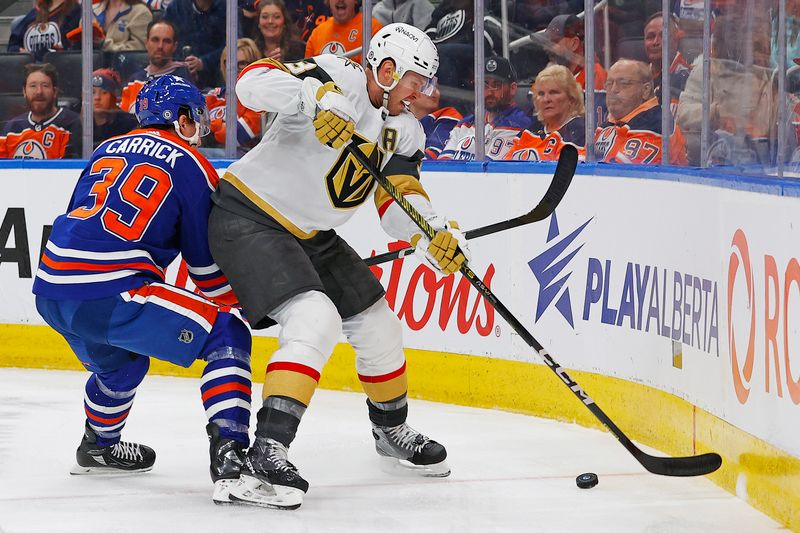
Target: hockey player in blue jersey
142,199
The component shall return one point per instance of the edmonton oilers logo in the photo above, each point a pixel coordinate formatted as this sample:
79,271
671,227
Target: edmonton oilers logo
30,149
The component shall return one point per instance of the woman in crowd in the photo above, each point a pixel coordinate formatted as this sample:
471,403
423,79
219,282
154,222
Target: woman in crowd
45,28
274,33
124,23
248,124
558,104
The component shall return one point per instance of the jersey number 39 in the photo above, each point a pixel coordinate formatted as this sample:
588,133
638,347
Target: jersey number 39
142,188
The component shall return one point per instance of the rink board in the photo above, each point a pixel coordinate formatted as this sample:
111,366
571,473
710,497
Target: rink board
675,298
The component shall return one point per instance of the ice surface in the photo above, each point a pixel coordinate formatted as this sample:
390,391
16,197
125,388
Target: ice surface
510,472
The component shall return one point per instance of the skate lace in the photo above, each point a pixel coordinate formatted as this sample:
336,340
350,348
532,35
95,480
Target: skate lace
277,453
127,450
408,438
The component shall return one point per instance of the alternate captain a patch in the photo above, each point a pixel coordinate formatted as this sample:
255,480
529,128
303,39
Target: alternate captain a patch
348,183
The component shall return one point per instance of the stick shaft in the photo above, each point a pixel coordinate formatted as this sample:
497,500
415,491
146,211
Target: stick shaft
670,466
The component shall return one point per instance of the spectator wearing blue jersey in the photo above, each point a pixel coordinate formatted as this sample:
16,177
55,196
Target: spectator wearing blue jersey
142,199
45,27
201,33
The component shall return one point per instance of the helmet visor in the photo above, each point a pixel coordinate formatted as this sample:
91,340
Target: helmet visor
430,86
200,116
419,83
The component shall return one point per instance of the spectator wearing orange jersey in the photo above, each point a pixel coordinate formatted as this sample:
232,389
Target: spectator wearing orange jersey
565,32
632,133
46,131
248,123
558,102
342,32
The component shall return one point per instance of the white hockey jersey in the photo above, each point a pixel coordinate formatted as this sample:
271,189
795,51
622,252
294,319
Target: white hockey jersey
303,184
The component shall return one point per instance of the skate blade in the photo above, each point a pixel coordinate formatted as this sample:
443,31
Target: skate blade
79,470
222,490
251,491
393,465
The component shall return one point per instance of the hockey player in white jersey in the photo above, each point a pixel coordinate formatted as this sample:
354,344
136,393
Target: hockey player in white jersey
272,231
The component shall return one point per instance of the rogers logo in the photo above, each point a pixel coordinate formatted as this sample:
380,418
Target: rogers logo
453,293
775,322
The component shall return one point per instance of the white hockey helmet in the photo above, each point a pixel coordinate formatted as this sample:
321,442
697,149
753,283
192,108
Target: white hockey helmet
410,48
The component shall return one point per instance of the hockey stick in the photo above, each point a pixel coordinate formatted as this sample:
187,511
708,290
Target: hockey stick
697,465
565,170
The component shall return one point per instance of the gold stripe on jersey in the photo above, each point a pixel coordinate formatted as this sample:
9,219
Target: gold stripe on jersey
271,62
290,384
348,183
386,390
287,224
405,184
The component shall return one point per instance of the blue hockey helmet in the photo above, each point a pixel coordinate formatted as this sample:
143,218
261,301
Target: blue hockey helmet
159,101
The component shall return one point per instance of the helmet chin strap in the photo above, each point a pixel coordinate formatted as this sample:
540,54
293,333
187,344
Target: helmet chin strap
194,140
386,88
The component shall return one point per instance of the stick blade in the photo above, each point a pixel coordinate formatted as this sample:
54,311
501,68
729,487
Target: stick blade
565,171
696,465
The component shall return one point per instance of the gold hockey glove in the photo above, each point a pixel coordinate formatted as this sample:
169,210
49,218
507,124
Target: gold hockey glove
447,251
329,110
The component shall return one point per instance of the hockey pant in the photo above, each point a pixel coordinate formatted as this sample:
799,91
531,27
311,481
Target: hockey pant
310,328
115,337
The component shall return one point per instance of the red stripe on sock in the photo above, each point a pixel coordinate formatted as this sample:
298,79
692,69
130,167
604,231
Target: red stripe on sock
226,387
109,421
384,377
294,367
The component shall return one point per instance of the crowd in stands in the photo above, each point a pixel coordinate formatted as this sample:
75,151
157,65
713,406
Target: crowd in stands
534,99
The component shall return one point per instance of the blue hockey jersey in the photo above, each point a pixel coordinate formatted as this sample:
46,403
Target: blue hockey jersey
143,198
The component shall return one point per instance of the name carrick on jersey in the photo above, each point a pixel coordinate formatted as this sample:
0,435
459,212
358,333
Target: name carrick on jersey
498,136
303,184
143,198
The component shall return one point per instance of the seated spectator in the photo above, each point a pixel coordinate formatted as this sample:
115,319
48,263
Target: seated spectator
109,119
565,32
124,23
201,30
742,99
504,120
161,44
414,12
678,69
792,33
436,122
45,28
248,124
558,103
341,33
46,131
274,35
632,133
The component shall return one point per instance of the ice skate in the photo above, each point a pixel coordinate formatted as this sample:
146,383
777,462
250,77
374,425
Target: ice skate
411,449
268,479
227,456
120,458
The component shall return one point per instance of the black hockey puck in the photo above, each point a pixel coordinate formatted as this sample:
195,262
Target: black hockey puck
586,481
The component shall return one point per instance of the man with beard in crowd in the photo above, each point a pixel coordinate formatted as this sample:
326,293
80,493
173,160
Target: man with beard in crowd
46,131
504,119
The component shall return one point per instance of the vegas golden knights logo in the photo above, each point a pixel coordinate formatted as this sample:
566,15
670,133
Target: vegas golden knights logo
348,183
